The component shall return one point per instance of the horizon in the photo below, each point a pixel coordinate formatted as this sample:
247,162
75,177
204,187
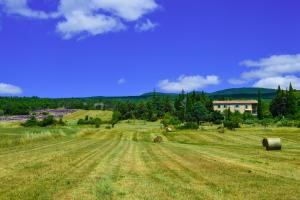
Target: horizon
65,49
140,95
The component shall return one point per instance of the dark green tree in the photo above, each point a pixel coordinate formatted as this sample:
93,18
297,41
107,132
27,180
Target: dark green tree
291,101
259,106
199,113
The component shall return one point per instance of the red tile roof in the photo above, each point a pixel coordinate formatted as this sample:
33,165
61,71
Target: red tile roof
236,102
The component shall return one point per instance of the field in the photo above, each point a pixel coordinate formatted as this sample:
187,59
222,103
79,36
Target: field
123,163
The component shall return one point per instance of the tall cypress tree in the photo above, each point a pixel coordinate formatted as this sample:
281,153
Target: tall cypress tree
291,101
259,106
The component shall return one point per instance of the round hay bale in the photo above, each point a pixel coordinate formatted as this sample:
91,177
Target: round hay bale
264,142
158,139
169,129
273,144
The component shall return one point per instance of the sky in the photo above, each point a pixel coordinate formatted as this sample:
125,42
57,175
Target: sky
81,48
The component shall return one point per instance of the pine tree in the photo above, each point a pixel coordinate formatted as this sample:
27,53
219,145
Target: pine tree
179,106
291,101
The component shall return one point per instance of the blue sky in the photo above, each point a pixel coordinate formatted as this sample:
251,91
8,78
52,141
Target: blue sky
74,48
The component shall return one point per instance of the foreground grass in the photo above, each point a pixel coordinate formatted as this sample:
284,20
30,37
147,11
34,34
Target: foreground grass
124,163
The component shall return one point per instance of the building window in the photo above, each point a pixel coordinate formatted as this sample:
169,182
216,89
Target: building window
237,106
225,106
246,106
219,106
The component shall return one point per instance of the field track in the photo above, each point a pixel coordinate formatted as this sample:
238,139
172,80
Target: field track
124,163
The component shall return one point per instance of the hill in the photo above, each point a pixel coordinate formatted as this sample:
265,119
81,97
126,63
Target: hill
243,93
232,93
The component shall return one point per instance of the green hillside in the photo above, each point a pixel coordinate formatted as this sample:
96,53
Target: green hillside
243,93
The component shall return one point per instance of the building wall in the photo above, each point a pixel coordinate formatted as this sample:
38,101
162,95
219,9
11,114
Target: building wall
233,107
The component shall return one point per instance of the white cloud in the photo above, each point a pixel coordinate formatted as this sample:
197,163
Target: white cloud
20,7
188,83
94,17
272,66
121,81
274,82
9,89
79,22
145,26
271,71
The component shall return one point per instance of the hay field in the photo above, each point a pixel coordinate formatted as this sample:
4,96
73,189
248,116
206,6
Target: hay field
124,163
80,114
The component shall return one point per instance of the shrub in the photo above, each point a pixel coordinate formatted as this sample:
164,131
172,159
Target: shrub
266,122
61,122
285,123
249,121
90,121
107,127
47,121
217,122
231,124
30,122
169,120
298,124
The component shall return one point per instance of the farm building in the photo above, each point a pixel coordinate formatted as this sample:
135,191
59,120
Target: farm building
241,106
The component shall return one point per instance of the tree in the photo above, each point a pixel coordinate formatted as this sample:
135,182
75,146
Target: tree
115,118
259,106
179,106
199,112
291,101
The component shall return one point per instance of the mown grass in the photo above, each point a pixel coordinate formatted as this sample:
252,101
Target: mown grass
72,118
124,163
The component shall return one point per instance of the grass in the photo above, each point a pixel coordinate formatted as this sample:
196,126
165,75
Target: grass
72,118
124,163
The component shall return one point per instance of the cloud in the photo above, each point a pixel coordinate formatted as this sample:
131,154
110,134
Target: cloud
9,89
92,17
272,66
271,71
20,7
274,82
79,22
188,83
121,81
145,26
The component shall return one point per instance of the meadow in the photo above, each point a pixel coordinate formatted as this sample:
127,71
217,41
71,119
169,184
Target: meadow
83,162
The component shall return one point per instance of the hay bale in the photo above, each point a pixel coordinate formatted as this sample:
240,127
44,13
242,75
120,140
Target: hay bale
158,139
264,142
169,129
272,143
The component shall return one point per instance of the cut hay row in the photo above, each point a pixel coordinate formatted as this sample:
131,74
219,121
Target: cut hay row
111,164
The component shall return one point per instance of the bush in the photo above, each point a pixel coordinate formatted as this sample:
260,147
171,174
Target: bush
30,122
90,121
231,125
285,123
266,122
61,122
47,121
217,122
169,120
190,125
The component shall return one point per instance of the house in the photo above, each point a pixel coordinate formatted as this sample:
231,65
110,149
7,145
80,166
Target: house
241,106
